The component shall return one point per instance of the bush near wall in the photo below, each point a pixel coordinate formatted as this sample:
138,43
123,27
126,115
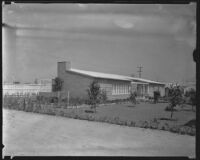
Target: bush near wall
26,104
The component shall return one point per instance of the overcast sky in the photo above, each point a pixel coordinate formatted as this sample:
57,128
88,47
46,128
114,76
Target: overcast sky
110,38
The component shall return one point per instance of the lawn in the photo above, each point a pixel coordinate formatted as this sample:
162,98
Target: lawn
146,112
140,112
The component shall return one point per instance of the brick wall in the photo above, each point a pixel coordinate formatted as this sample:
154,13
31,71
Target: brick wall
76,84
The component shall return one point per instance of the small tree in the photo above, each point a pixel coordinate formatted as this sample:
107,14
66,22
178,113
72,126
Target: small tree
57,86
193,98
132,97
191,94
94,94
175,98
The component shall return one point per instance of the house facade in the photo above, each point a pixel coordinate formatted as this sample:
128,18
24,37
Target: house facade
146,89
76,82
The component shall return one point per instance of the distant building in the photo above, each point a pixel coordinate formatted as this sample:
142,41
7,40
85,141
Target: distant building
22,89
76,82
45,81
184,87
188,86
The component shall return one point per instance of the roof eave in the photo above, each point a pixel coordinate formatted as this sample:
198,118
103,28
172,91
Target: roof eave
97,76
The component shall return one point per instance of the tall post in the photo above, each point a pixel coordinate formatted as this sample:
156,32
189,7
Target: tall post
67,98
148,89
143,90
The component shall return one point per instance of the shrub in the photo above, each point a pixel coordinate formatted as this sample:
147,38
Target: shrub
61,113
191,123
53,100
156,96
133,124
116,119
129,123
162,127
112,121
145,124
166,125
154,124
101,118
132,97
174,129
37,108
192,131
168,108
51,112
103,96
29,106
183,130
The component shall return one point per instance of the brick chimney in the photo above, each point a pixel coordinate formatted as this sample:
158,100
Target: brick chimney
62,67
68,65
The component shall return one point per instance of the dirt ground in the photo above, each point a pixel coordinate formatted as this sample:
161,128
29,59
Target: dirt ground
39,135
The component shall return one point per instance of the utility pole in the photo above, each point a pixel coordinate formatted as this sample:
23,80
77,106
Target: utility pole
140,71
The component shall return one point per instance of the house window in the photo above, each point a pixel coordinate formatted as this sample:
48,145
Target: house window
120,89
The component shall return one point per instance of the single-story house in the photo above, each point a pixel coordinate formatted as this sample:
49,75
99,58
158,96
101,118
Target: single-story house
76,82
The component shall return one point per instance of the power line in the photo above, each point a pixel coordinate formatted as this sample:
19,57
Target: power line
140,71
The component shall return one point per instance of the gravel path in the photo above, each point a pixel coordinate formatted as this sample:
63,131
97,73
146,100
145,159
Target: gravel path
36,134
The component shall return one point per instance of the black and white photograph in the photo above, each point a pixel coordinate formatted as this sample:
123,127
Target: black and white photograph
99,79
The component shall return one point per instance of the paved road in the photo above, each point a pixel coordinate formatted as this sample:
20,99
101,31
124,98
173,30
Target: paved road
36,134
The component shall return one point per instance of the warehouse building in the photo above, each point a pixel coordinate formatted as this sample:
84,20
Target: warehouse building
43,86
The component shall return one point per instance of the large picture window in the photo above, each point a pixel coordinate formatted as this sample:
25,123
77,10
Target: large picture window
120,89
